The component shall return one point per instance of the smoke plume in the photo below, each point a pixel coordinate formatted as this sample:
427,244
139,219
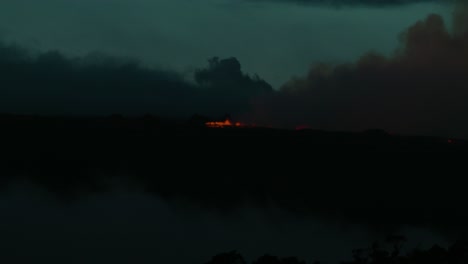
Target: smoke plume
421,89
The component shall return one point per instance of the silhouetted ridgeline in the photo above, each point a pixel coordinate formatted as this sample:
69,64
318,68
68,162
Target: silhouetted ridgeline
226,168
138,143
92,132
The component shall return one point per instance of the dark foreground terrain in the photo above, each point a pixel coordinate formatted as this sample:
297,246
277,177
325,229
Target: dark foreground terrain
304,171
147,143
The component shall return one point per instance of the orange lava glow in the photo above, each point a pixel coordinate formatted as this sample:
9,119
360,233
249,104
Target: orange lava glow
225,123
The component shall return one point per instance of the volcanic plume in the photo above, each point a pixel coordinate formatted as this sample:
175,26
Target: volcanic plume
420,89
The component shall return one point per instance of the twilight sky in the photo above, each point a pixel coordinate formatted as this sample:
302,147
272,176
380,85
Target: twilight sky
276,39
418,89
396,65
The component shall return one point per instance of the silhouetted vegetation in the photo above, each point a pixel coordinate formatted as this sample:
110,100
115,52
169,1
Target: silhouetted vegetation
377,253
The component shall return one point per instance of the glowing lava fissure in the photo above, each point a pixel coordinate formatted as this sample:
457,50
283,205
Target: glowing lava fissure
224,124
227,122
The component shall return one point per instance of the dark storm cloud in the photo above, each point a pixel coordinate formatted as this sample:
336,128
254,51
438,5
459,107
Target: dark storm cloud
421,89
283,39
50,83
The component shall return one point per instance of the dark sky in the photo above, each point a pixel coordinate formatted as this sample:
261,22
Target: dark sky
340,65
276,39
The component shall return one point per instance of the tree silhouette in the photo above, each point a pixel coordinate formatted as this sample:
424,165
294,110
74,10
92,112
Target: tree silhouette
232,257
375,254
397,242
267,259
292,260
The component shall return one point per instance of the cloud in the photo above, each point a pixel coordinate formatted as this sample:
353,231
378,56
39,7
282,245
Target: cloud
281,39
51,83
421,89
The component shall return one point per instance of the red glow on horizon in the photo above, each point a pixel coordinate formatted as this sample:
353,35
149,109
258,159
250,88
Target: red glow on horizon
302,127
225,123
